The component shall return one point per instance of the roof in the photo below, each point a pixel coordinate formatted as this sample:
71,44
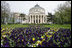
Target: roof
36,6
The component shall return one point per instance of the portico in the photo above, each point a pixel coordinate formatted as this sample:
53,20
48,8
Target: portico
37,15
36,19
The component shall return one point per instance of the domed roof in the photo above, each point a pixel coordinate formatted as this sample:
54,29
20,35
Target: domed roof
36,7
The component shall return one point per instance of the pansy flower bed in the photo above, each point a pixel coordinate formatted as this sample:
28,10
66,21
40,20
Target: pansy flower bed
36,36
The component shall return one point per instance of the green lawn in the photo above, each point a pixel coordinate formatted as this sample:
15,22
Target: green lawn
13,25
9,27
68,26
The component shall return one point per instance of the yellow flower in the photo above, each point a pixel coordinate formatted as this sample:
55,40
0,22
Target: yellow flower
2,29
50,35
33,39
42,36
34,45
22,39
43,39
39,42
46,33
4,33
56,29
47,36
4,36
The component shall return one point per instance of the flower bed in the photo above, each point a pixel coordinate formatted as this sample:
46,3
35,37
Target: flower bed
36,36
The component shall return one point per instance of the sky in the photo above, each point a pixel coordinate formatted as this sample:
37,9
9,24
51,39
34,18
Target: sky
24,6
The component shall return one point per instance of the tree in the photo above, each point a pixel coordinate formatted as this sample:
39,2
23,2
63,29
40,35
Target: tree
63,13
13,19
49,17
5,10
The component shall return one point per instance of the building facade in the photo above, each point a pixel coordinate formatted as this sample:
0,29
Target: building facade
37,15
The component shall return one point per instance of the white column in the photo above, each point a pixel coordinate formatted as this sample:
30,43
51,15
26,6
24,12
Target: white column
35,19
46,19
43,19
30,19
20,19
38,19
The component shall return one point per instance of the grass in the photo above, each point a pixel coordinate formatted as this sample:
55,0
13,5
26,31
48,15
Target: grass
11,26
66,26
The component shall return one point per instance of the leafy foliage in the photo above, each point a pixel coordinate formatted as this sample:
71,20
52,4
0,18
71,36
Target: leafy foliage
63,14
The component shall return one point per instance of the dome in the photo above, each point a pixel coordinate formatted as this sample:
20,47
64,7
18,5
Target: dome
37,9
37,5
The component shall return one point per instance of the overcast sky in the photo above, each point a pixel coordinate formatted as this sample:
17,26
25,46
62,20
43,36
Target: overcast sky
24,6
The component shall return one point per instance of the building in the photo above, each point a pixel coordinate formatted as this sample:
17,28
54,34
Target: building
36,16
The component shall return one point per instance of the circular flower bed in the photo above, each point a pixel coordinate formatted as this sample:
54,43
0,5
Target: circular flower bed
36,36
